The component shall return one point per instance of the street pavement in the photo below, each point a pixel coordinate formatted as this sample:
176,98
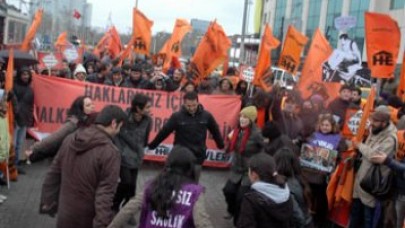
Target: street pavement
20,210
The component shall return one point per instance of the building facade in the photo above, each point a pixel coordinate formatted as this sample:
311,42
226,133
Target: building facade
59,17
308,15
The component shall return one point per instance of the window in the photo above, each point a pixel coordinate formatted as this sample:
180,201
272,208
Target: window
279,17
313,16
278,25
334,10
397,4
357,9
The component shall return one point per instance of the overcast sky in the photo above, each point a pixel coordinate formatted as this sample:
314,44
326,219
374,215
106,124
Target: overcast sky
164,12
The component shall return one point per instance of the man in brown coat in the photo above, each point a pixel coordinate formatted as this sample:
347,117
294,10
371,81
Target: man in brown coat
81,182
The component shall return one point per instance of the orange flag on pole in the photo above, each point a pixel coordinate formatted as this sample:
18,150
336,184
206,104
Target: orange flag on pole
9,87
114,46
172,47
318,53
211,52
401,86
101,45
62,42
268,43
366,113
383,39
142,32
25,46
294,43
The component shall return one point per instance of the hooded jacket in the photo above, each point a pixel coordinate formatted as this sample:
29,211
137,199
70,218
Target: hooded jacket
190,131
24,113
82,180
266,206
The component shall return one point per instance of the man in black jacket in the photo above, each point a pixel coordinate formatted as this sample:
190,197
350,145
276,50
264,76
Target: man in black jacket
24,113
190,125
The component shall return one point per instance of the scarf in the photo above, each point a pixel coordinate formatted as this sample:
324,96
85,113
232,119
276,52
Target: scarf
240,134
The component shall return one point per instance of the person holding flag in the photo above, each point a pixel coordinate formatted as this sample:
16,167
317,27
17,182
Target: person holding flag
382,138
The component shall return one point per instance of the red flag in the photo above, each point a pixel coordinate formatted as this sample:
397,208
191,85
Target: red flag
102,44
76,14
268,43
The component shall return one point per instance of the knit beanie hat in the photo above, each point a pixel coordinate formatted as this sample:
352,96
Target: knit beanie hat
250,112
79,69
381,113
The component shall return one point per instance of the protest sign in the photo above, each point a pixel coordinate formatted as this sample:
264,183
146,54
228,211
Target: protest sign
318,158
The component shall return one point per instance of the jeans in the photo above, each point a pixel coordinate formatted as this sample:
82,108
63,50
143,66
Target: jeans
400,209
19,140
361,215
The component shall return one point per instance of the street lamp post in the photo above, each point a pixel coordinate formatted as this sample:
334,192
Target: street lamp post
242,39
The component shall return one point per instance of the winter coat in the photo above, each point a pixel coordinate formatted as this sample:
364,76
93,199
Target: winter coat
385,142
302,217
266,207
280,142
172,86
95,79
134,207
24,114
139,84
131,140
190,131
399,168
49,146
112,83
240,166
82,179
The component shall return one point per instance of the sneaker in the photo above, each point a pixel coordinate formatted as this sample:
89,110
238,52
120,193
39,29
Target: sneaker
3,197
1,201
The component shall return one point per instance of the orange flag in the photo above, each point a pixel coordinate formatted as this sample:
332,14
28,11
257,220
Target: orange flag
383,39
62,42
211,52
401,86
81,51
294,43
115,45
9,87
172,47
268,43
142,32
25,46
311,73
101,45
366,113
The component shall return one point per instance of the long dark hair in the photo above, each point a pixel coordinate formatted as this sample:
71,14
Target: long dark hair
77,110
179,169
265,167
288,165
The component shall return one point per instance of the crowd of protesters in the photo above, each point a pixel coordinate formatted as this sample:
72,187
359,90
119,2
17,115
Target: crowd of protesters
97,156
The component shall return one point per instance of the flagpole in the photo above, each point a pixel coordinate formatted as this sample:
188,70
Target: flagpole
136,3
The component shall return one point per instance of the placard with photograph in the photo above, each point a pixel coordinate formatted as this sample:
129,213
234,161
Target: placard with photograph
318,158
